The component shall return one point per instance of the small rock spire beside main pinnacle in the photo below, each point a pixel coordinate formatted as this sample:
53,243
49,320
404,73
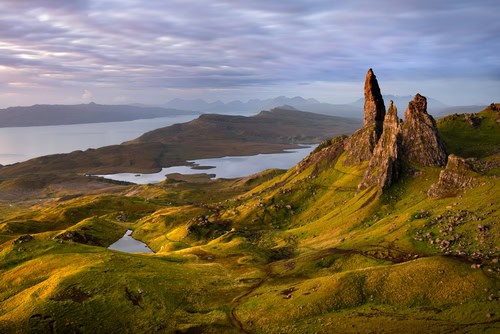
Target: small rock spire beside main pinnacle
384,165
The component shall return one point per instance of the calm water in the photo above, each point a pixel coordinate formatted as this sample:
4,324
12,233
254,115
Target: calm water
130,245
226,167
23,143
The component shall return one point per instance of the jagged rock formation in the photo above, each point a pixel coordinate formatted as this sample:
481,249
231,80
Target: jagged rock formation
420,139
455,177
384,164
388,144
360,145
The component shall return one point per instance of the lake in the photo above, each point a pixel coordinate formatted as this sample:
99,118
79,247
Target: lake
130,245
226,167
22,143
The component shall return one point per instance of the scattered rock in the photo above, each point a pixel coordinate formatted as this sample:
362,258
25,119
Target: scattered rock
121,216
23,239
288,293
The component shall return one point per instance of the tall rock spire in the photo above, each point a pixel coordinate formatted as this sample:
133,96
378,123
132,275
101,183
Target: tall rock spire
374,103
384,165
360,145
421,142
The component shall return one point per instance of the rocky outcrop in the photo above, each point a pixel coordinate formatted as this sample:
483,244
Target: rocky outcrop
473,119
457,176
361,144
420,139
384,164
78,236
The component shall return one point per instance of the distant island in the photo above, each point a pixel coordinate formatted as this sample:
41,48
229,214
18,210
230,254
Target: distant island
46,114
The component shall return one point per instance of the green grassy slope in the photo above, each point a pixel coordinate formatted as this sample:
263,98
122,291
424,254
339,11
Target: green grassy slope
471,141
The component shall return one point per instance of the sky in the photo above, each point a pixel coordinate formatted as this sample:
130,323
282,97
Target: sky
135,51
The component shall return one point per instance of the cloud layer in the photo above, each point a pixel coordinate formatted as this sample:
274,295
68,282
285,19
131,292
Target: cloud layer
132,50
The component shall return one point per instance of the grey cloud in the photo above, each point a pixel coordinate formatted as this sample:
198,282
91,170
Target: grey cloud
224,44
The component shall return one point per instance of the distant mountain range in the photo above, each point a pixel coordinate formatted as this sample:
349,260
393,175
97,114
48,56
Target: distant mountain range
44,114
256,105
351,110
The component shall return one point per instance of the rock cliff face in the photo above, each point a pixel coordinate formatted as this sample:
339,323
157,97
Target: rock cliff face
455,177
384,164
360,145
420,139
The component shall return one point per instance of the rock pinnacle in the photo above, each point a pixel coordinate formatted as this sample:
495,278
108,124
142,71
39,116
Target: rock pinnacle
374,103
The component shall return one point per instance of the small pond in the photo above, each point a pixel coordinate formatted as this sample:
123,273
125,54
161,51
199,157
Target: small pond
130,245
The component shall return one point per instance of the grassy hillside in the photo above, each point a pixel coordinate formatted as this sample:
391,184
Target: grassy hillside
299,251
